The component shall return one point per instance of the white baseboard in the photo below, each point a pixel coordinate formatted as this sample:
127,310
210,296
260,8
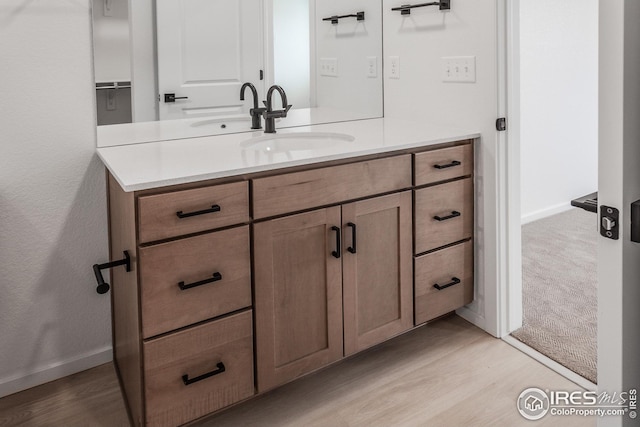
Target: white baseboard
543,213
472,317
551,364
54,371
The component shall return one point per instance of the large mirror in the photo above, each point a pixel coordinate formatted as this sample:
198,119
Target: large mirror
168,69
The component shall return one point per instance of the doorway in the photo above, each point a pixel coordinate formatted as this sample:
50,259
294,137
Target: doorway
558,103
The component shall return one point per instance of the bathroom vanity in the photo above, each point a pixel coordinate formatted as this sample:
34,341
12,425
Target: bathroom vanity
258,260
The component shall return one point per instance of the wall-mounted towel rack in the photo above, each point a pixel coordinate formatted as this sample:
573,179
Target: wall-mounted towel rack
335,18
405,9
113,85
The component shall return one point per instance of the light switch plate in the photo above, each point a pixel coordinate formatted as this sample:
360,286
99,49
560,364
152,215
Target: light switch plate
329,67
372,66
461,69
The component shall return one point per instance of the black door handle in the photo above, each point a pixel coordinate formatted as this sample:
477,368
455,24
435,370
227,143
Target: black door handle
171,97
454,281
220,368
454,214
352,248
336,253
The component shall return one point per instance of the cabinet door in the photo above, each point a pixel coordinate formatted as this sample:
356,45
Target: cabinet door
378,270
298,295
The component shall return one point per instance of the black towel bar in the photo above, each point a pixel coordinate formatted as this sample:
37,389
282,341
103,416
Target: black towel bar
405,9
335,18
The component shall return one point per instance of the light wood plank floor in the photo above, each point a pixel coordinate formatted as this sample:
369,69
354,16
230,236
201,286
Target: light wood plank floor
448,373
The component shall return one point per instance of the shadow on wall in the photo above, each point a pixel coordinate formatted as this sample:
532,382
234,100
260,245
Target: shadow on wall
50,313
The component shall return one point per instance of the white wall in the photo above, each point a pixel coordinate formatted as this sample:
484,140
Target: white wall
351,42
420,41
53,223
559,103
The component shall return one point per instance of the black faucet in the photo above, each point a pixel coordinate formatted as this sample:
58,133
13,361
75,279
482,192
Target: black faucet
255,112
270,115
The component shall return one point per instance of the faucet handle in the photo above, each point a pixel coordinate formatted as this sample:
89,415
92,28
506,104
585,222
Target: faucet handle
288,108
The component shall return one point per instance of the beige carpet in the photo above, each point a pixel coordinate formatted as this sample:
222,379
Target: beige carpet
559,268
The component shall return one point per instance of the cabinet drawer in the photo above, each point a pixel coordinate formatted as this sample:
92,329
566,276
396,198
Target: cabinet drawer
214,269
443,214
167,215
444,164
320,187
223,349
451,266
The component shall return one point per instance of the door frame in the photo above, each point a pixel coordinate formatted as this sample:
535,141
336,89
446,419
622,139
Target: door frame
504,298
617,313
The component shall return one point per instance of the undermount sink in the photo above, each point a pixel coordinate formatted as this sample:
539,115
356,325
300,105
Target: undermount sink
295,141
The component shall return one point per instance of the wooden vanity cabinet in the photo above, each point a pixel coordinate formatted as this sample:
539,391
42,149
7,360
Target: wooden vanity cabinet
279,274
298,296
443,234
315,283
182,318
377,270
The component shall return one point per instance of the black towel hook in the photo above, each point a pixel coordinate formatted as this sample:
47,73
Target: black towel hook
103,287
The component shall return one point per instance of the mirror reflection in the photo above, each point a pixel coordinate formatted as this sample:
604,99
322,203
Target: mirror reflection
175,67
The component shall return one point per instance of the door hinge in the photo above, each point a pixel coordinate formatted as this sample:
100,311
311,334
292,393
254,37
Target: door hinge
501,124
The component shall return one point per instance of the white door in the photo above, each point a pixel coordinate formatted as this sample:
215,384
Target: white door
206,50
618,187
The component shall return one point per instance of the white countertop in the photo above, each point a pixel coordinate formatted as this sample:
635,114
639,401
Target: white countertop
164,130
179,161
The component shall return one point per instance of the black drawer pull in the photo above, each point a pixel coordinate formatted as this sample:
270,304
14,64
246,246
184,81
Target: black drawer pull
216,278
219,369
336,253
450,165
214,209
454,214
352,249
454,281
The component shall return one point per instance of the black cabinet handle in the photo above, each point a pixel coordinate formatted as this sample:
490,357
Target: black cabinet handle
352,248
219,369
214,209
336,253
454,214
216,278
450,165
454,281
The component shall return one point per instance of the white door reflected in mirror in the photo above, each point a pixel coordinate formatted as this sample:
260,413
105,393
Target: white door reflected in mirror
204,65
185,61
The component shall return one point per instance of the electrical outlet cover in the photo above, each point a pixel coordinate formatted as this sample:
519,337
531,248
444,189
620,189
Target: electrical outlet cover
394,67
